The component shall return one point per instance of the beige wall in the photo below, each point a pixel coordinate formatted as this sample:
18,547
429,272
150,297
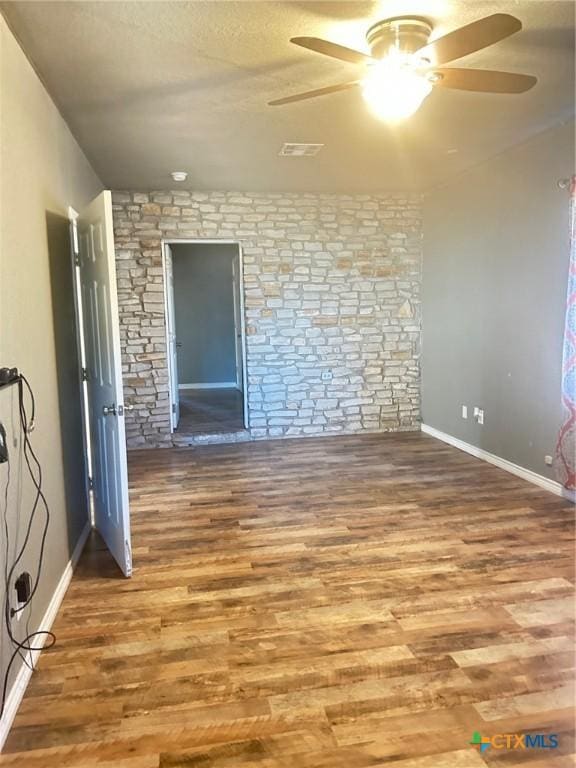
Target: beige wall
496,250
42,172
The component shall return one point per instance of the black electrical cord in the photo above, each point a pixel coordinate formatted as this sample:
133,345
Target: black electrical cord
30,425
29,454
7,548
35,471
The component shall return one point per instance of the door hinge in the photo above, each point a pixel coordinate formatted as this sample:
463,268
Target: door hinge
84,374
173,407
91,483
77,259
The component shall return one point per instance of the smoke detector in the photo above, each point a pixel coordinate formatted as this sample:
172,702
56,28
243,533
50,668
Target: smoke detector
300,150
179,175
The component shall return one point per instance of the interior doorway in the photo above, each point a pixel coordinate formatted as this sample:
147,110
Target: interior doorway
205,336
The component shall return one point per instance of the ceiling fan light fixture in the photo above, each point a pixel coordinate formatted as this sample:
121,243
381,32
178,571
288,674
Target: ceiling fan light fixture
394,91
401,55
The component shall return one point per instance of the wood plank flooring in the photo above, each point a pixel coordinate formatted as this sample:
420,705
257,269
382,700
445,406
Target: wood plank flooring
348,602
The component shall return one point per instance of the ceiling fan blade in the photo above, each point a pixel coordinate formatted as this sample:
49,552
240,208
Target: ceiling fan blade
313,94
485,80
473,37
332,49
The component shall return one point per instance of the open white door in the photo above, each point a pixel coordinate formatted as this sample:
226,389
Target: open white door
171,341
104,378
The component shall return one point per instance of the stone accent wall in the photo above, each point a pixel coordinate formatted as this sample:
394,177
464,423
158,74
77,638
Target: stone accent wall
332,301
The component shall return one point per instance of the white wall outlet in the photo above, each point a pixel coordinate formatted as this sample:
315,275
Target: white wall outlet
480,417
326,375
476,411
464,411
548,460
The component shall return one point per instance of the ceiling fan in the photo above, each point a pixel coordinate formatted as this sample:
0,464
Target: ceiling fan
404,65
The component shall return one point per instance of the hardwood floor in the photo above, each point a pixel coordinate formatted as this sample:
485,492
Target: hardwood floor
209,411
349,602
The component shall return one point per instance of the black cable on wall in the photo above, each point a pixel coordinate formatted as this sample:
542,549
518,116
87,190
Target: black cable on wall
43,638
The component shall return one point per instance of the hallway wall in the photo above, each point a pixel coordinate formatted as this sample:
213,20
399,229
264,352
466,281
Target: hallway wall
204,309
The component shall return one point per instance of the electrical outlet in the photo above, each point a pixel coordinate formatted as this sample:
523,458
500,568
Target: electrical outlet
326,375
464,411
480,417
548,460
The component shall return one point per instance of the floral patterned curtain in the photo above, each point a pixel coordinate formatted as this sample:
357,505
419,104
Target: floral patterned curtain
566,448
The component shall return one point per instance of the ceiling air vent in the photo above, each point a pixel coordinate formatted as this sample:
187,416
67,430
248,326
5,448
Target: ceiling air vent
300,150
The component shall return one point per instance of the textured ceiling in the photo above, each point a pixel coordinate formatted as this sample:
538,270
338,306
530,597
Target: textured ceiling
150,87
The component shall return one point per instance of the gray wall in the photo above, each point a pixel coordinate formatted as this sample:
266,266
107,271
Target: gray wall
204,308
496,252
43,172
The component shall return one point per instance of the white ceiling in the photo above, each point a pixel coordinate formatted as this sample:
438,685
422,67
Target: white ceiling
151,87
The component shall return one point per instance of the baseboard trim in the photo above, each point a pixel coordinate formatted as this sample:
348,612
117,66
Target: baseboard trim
491,458
20,684
215,385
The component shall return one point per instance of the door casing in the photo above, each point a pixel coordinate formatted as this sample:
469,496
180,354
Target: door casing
170,324
81,349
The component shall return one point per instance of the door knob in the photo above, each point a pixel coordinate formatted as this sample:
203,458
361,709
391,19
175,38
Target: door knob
109,410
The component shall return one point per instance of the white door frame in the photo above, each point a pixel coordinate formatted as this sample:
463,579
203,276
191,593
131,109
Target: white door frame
201,241
81,349
237,307
169,315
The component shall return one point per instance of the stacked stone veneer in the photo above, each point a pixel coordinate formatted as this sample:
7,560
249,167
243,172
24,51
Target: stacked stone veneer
331,289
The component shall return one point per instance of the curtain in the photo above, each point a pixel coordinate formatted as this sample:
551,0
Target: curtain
566,448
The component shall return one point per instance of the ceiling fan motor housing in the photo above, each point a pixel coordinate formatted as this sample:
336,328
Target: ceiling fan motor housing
406,34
